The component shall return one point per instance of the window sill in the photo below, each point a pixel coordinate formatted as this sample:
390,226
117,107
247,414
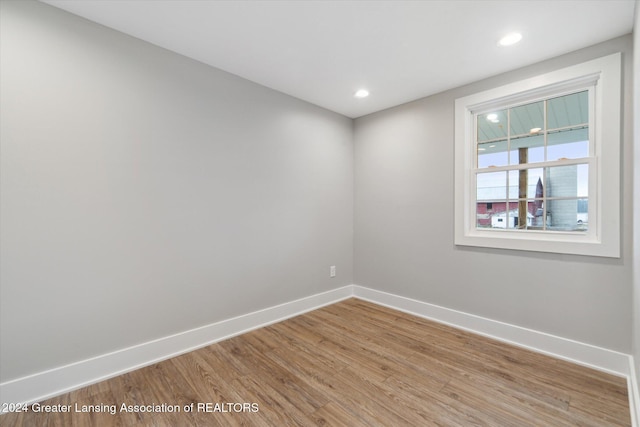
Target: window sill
575,243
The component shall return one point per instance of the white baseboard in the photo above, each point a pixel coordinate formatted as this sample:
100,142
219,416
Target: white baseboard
599,358
43,385
634,396
60,380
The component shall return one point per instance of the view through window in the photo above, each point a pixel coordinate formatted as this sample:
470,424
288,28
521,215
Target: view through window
532,165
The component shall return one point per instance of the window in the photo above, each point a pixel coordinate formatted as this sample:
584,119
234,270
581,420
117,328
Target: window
537,163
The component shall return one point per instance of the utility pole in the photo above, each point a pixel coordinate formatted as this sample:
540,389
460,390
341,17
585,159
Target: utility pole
523,154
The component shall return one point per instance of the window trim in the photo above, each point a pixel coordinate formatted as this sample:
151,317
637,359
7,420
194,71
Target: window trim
604,74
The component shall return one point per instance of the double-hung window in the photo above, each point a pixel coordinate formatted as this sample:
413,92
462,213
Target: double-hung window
538,163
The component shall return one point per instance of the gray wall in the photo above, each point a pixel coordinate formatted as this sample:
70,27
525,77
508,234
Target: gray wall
144,194
636,192
404,226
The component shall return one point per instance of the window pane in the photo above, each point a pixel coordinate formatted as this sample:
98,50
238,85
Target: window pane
492,154
499,218
521,214
483,214
527,149
567,181
508,219
538,213
535,185
570,144
583,214
492,126
568,110
564,215
514,177
491,186
530,189
527,119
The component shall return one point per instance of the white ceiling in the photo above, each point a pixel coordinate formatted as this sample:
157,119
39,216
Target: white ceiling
323,51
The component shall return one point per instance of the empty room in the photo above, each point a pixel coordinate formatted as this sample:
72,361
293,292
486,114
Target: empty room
270,213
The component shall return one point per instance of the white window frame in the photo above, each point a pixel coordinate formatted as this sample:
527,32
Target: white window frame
603,78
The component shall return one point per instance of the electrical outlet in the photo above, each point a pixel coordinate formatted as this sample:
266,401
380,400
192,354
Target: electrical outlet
332,271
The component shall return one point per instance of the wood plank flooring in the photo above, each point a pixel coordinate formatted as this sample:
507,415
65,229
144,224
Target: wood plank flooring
352,364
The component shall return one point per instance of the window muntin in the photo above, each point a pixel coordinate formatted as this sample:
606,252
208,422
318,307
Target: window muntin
518,139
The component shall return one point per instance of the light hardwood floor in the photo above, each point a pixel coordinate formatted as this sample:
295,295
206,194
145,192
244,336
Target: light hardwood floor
354,363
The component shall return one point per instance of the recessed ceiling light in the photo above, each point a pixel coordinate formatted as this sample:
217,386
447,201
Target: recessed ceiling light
509,39
362,93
